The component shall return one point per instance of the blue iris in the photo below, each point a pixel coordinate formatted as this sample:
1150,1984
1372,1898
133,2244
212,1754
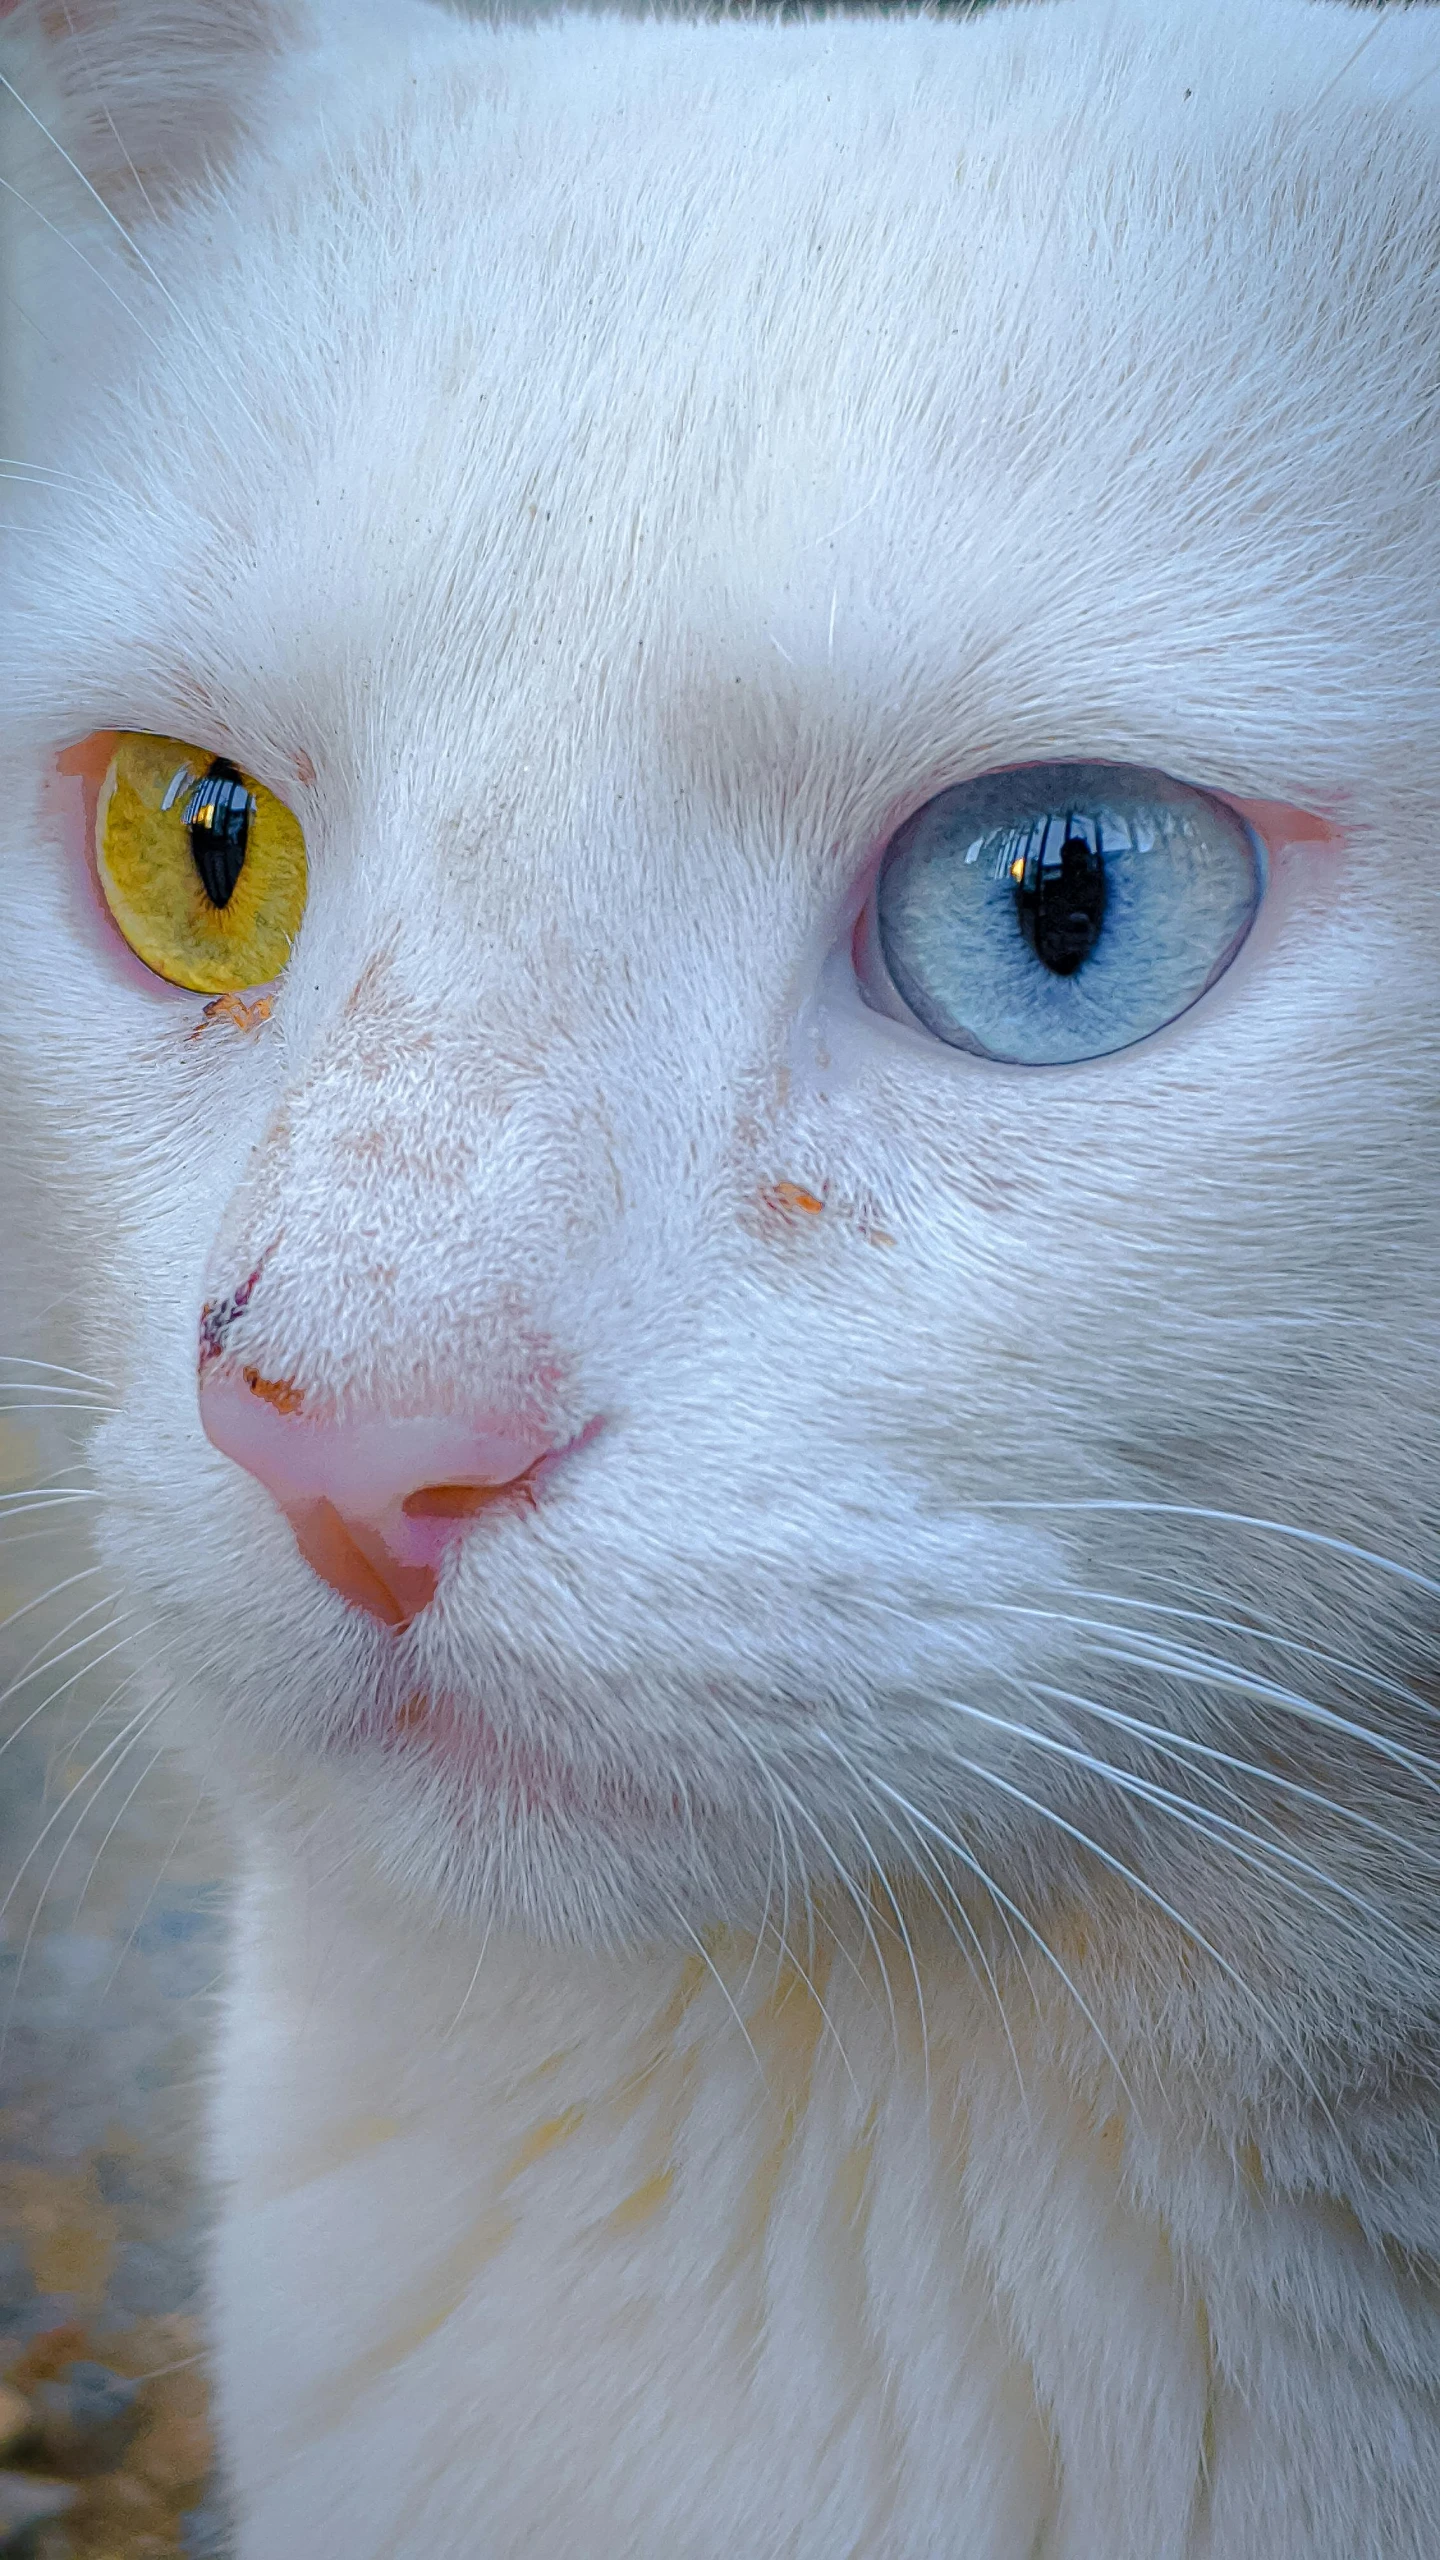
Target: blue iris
1062,911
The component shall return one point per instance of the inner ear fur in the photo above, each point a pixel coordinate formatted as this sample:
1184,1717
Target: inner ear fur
147,96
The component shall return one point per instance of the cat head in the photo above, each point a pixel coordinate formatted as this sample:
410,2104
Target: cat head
780,1220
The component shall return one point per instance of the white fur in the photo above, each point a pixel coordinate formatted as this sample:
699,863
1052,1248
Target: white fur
630,466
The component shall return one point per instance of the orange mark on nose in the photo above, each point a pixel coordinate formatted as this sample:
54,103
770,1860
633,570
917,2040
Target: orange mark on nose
360,1566
285,1396
789,1195
460,1501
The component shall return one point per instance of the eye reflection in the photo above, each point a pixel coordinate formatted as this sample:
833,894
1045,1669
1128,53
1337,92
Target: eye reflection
1060,893
201,867
217,816
1053,913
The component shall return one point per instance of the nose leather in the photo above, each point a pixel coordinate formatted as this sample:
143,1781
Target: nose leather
376,1499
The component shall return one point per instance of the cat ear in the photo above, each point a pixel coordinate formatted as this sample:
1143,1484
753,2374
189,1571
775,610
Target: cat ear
145,96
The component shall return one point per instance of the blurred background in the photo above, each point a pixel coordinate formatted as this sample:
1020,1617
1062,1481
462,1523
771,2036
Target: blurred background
111,1926
112,1904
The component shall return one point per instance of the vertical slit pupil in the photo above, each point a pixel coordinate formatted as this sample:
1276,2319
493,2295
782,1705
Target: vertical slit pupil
217,820
1060,903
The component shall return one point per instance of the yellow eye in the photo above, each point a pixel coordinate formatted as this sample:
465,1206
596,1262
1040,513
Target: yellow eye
202,869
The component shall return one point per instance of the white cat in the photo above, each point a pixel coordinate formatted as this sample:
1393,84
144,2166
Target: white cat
813,1582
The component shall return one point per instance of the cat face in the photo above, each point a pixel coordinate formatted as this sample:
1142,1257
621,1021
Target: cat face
690,1403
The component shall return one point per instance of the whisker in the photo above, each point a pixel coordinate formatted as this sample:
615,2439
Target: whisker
469,1987
787,1809
26,480
861,1901
775,1847
76,1676
22,1507
42,1660
138,1725
39,1662
56,1368
142,1716
45,471
813,1988
1266,1635
1290,1701
28,1537
1181,1808
1184,1744
787,1952
156,1880
1003,1902
1082,1839
839,1946
55,1404
708,1961
152,1763
71,1743
1346,67
76,251
972,1946
38,1602
1228,1519
950,1909
63,1390
30,320
1200,1669
82,50
131,243
876,1867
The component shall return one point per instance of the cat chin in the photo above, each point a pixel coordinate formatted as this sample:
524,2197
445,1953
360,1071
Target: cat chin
469,1832
455,1746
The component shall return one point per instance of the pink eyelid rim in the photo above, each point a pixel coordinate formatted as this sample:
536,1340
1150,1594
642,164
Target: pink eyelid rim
1278,823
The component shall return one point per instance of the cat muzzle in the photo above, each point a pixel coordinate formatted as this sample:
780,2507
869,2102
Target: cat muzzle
375,1501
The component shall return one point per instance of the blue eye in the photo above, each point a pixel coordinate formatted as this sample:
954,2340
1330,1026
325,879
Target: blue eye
1062,911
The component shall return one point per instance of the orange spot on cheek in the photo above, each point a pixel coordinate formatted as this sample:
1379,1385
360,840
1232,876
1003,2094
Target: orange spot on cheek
788,1195
304,770
787,1199
233,1008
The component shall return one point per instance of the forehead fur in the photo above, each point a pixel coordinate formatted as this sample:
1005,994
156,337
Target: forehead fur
532,355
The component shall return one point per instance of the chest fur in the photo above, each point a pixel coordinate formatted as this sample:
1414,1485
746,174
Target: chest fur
709,2256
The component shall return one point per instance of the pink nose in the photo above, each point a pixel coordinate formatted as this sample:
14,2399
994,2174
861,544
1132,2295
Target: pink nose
373,1503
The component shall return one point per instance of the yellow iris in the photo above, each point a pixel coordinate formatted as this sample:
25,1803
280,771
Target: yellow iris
202,868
